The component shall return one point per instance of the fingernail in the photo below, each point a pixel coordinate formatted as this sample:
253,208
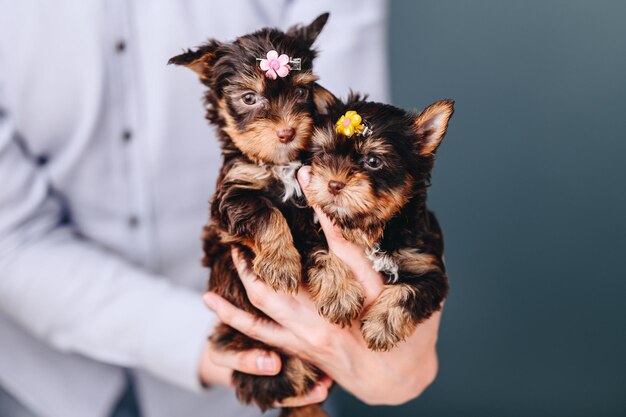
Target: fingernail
317,393
266,363
326,381
238,258
305,175
210,301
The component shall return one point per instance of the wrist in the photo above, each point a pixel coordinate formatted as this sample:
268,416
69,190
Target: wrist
409,383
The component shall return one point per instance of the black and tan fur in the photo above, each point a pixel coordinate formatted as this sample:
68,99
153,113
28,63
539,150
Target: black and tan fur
373,187
256,203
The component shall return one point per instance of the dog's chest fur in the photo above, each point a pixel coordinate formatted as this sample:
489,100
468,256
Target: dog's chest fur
383,262
279,181
286,175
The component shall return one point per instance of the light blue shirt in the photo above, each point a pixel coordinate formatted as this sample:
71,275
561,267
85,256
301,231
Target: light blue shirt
106,168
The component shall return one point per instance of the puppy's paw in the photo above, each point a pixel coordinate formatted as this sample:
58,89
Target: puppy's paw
383,332
341,304
337,295
389,320
280,270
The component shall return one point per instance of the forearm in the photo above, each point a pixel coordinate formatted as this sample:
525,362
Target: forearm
79,298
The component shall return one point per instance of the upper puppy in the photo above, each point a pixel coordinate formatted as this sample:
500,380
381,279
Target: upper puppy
261,90
264,98
370,171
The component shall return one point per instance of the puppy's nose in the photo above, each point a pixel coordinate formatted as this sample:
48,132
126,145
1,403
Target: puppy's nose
285,135
335,187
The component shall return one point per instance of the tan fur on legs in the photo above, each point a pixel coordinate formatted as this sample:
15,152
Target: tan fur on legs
277,261
414,261
301,374
337,295
388,321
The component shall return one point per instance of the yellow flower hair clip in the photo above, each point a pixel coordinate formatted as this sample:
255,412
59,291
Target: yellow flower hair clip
349,124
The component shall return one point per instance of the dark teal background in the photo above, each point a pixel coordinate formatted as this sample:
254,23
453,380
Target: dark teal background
530,188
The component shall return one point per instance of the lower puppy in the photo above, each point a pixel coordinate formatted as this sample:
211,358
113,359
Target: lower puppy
370,171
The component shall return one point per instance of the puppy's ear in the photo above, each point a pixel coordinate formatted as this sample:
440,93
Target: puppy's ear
323,99
309,33
200,60
430,126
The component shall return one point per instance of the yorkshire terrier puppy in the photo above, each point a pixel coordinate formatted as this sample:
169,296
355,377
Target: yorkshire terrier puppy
263,97
369,174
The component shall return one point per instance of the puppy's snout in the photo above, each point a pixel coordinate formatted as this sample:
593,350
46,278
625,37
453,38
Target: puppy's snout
335,187
285,135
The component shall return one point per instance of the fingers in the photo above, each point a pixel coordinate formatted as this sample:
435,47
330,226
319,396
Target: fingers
281,307
330,231
252,326
317,394
255,361
210,373
296,315
353,255
304,176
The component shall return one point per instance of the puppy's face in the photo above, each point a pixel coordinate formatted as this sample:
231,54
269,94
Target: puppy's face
270,119
363,180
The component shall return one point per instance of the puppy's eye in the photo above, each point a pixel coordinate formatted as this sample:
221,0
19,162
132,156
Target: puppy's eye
302,93
249,99
373,162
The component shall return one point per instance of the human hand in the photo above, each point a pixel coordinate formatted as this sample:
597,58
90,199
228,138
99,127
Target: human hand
216,367
375,377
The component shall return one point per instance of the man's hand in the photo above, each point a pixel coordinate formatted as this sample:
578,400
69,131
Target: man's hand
392,377
216,367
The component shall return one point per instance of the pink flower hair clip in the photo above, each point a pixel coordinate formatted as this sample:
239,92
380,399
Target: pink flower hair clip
278,66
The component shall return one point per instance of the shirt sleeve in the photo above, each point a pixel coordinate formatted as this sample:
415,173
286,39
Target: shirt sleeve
79,297
352,46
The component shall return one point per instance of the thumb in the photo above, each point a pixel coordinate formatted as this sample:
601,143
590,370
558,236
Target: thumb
348,252
332,233
304,177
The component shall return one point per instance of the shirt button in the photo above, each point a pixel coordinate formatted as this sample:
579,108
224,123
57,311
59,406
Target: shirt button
120,46
42,160
133,222
127,135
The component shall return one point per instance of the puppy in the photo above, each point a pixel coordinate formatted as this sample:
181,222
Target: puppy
370,171
264,100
